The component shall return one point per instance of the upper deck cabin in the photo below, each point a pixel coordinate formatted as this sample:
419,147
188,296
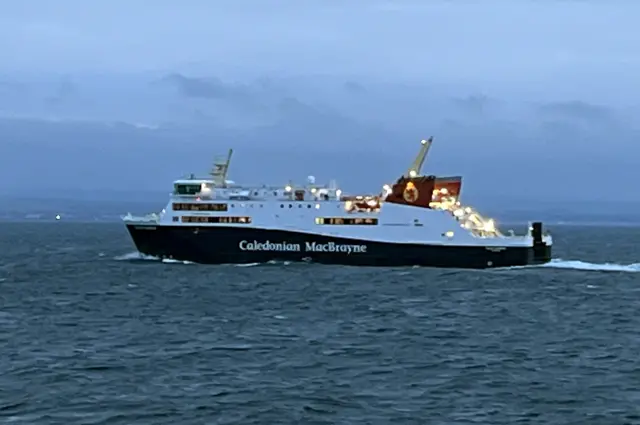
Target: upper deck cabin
190,187
411,189
205,189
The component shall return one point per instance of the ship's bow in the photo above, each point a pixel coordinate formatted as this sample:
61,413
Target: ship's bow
146,234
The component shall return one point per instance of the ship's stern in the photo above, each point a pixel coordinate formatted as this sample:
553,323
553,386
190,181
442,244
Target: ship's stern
542,244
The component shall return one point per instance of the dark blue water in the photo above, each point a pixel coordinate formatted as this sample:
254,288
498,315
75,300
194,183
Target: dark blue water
88,336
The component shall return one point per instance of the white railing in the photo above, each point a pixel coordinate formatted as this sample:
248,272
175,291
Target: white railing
148,218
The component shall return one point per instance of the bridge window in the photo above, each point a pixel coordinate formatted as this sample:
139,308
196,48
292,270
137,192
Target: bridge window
200,206
187,189
346,221
191,219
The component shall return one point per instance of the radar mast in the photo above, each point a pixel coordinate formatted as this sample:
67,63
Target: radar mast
221,169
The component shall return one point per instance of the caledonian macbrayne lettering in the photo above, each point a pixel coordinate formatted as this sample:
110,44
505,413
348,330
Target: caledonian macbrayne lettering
295,247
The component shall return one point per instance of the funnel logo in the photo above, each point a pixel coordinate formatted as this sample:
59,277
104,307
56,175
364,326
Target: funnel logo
410,193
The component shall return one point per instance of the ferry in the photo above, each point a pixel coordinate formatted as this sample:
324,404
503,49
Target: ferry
418,220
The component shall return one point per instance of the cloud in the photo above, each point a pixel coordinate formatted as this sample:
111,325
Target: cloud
206,88
576,110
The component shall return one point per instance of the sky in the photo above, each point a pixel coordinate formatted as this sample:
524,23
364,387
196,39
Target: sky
558,76
490,40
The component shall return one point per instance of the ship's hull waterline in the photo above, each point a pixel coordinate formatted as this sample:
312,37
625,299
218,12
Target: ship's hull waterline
238,245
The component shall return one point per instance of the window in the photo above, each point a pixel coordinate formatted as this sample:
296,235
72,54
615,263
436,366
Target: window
191,219
199,206
346,221
187,189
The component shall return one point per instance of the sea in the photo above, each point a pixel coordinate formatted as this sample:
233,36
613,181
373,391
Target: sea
91,332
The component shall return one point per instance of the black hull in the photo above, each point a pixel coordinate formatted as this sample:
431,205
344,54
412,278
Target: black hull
228,245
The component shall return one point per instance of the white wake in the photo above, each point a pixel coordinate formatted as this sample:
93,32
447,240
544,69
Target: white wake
138,256
583,265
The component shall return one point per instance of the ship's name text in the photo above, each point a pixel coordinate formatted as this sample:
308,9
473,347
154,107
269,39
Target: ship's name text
295,247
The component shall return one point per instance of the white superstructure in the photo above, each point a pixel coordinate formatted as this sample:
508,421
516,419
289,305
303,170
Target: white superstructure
398,214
